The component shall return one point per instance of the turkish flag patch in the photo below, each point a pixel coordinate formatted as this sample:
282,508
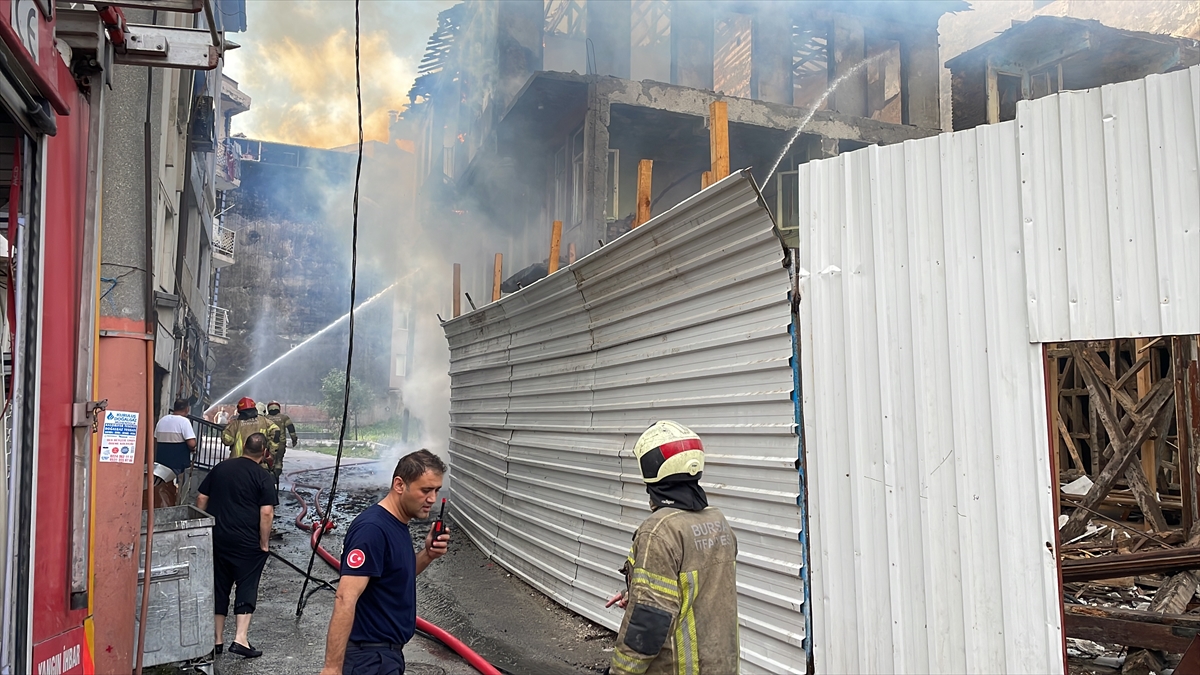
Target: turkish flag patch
356,558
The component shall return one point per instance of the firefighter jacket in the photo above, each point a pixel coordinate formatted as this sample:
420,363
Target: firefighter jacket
284,422
682,617
238,430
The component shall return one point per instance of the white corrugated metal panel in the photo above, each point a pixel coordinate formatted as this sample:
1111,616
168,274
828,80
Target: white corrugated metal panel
1111,199
685,318
928,471
931,272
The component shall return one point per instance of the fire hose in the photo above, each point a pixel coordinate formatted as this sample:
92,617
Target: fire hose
324,524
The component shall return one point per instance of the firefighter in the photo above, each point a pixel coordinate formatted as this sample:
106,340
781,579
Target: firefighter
681,588
249,422
284,422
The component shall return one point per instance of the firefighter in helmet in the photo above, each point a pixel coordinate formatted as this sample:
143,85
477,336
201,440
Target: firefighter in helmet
249,422
681,588
284,422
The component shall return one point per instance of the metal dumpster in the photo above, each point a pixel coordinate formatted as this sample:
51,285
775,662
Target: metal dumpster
179,623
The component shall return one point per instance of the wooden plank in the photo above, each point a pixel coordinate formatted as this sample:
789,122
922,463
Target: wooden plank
1094,443
1060,457
555,246
1162,393
718,136
497,276
1070,442
1147,499
1169,633
1142,662
456,304
705,179
1149,456
571,254
1188,440
1135,370
1091,358
645,171
1171,597
1171,560
993,94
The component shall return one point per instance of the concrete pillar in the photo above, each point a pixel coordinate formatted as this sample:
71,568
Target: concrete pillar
772,52
920,74
820,147
847,50
692,44
595,169
518,44
122,377
608,25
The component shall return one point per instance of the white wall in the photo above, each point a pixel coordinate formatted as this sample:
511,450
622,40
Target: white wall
932,271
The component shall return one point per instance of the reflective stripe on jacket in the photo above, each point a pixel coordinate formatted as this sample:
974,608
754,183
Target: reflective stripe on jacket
284,422
682,613
238,430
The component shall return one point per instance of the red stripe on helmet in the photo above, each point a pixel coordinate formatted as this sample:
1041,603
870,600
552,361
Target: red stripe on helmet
673,448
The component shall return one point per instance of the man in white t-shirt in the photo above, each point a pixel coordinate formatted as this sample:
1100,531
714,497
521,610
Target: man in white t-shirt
174,439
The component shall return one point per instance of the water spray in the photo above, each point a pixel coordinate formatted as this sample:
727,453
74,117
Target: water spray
312,337
813,111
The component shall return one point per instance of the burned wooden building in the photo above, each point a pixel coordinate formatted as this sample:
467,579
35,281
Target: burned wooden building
529,111
1049,54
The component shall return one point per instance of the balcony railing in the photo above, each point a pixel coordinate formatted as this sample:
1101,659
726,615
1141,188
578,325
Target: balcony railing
224,240
229,164
218,324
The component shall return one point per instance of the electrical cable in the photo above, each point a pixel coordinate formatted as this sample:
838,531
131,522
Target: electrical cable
326,520
337,465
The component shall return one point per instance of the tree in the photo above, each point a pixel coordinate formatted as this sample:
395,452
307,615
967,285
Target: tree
333,395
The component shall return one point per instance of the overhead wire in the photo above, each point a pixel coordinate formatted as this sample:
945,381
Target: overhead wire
337,465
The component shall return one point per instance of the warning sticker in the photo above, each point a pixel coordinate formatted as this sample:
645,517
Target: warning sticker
118,443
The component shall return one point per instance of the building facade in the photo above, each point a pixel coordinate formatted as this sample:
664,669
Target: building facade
530,112
110,177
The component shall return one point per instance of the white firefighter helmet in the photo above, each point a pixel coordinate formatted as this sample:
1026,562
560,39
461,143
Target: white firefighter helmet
669,450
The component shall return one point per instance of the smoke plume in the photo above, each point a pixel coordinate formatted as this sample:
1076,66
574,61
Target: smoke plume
297,64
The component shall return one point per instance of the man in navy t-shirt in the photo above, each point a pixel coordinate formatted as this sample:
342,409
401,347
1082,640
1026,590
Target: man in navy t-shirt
375,612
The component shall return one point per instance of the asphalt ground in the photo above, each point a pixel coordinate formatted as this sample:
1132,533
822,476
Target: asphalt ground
510,624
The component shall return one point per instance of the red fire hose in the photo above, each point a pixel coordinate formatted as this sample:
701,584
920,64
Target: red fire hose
475,660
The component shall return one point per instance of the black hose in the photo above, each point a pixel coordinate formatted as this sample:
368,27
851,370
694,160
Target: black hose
285,561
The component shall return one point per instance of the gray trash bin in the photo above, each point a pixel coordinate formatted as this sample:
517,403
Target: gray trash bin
179,623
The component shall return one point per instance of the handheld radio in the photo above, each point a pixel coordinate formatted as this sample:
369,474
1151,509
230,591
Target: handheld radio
439,528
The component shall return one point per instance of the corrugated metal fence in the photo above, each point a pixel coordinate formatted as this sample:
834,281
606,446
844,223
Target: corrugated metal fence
685,318
930,272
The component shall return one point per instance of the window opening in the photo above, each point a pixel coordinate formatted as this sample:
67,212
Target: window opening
563,37
650,23
1009,87
731,51
810,65
883,81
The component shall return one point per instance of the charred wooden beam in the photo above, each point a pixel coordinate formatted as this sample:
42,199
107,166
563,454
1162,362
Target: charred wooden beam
1171,633
1153,408
1130,564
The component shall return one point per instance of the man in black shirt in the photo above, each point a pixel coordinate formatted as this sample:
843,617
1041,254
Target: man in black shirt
240,495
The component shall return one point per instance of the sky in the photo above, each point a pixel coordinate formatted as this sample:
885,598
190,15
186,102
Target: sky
296,63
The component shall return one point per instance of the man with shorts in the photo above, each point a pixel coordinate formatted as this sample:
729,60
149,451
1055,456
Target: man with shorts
240,495
175,441
375,612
